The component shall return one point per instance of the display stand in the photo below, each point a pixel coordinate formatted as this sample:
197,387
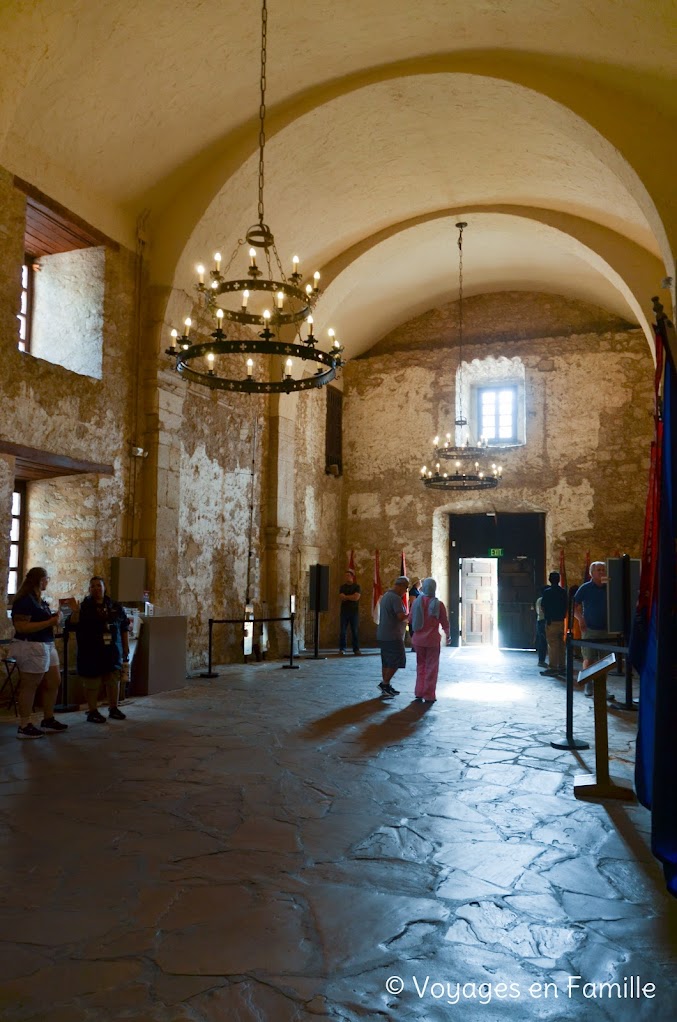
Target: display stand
600,785
159,663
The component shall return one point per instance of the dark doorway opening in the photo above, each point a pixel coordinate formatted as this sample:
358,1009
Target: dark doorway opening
517,542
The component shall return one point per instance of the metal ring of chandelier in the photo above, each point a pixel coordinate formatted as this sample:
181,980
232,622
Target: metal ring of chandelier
460,481
186,352
272,286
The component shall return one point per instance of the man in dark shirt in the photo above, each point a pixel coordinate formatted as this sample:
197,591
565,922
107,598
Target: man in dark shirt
554,607
590,612
349,595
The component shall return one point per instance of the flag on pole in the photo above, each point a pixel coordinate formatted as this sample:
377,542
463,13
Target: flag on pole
377,590
351,562
562,570
654,640
565,587
403,571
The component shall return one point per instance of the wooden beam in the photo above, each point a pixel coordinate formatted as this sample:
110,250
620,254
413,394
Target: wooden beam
35,464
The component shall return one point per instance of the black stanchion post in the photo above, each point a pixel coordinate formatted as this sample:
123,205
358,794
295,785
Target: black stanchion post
569,742
630,703
64,706
291,666
209,672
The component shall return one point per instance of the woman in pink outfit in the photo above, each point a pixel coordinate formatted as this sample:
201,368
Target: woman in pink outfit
427,615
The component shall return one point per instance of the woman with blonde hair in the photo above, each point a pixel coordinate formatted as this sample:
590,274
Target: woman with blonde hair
35,654
427,615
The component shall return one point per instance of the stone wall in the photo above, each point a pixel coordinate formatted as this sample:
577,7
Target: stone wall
588,404
317,506
76,523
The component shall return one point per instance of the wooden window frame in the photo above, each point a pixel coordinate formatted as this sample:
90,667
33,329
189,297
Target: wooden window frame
498,441
21,488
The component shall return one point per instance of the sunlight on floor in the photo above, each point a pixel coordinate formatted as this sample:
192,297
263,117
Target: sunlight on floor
485,692
478,690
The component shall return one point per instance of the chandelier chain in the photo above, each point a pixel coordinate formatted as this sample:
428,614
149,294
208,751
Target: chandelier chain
460,320
262,107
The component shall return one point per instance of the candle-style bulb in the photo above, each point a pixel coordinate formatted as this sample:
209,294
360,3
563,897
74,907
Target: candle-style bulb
245,298
295,264
252,257
200,272
187,323
219,315
174,334
316,279
217,260
436,441
250,366
309,289
280,299
266,315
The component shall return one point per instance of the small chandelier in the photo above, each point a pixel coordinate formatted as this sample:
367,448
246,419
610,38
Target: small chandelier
267,299
469,471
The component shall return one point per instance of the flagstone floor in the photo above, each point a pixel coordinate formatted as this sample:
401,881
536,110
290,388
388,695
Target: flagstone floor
284,845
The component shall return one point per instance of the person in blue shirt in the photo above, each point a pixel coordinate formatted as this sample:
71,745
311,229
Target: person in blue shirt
35,654
102,630
590,611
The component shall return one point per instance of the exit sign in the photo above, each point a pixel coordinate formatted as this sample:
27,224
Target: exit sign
496,551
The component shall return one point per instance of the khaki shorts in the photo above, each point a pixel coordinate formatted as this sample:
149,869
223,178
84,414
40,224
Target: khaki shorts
595,635
94,684
34,657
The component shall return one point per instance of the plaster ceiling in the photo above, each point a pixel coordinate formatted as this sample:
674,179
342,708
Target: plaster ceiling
386,123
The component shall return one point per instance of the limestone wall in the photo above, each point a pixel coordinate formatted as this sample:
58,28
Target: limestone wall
76,523
317,507
588,405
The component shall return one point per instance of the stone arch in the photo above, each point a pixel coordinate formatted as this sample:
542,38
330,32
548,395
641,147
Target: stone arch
624,138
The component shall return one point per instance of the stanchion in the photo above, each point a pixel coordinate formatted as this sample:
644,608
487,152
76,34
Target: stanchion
209,673
249,622
569,742
291,666
630,703
64,706
600,784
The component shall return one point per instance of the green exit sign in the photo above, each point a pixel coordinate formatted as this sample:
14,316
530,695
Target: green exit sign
496,551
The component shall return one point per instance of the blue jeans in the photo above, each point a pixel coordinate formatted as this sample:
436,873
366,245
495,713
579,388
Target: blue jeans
354,621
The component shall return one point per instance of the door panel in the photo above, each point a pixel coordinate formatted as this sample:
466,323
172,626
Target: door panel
477,601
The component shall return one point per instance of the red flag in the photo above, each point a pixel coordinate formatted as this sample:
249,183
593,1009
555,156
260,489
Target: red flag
377,590
565,587
351,562
403,571
586,567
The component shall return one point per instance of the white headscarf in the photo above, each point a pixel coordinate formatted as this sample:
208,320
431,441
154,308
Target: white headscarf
428,588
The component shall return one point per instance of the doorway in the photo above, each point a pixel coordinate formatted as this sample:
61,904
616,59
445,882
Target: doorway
501,612
479,598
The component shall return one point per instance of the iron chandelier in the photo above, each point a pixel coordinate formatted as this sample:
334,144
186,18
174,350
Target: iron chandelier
469,471
263,298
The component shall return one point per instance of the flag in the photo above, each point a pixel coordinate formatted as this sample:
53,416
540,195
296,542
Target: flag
351,562
564,586
654,638
586,567
377,590
403,571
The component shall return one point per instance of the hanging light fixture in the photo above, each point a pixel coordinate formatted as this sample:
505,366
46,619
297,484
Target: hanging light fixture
468,468
264,298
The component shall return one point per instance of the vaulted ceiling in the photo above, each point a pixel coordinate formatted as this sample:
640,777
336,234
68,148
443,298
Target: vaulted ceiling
548,126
